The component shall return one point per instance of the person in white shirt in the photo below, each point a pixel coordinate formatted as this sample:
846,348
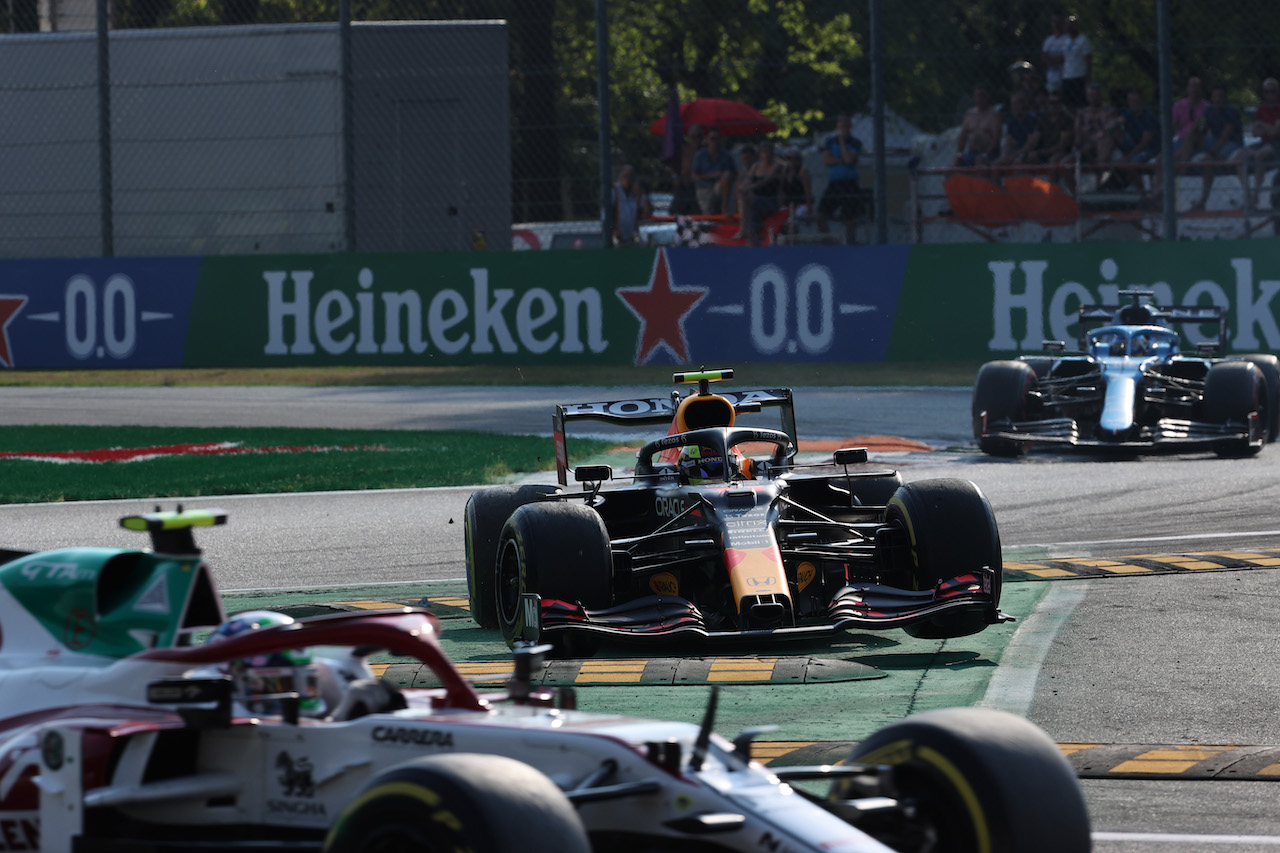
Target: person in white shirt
1053,52
1077,66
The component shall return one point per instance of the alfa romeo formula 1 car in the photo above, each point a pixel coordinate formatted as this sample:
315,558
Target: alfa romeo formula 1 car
720,533
1130,386
120,730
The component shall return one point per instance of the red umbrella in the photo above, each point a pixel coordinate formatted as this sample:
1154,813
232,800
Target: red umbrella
730,117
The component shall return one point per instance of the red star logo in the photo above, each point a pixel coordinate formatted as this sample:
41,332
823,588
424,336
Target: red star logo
661,308
9,308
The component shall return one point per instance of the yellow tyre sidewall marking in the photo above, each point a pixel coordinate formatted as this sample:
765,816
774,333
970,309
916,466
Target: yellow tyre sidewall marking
900,752
911,531
413,791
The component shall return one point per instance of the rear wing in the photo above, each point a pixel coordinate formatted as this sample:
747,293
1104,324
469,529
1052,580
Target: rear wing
1101,315
660,411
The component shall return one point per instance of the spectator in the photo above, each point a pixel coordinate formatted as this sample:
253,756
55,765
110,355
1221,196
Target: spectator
1055,136
1053,52
797,187
630,205
684,199
1022,78
1187,114
1221,138
1019,131
1139,137
747,157
842,199
1077,65
1095,126
714,172
1266,126
759,194
979,140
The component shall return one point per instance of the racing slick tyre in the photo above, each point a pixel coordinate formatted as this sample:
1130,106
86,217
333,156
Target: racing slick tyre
487,510
1233,390
1040,364
1270,367
951,531
1002,390
558,550
970,772
442,803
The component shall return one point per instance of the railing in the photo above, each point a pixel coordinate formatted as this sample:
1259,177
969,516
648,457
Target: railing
1082,201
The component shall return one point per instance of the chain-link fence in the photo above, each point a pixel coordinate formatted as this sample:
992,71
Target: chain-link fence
242,126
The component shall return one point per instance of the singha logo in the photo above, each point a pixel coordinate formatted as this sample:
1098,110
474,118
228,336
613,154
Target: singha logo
294,776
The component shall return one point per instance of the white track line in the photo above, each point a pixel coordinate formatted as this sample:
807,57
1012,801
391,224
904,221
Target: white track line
1013,685
1140,539
1162,838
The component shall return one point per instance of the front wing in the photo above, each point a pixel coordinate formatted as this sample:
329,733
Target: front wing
865,607
1165,432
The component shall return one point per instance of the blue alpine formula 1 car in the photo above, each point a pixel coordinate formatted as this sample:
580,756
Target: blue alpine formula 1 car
1130,386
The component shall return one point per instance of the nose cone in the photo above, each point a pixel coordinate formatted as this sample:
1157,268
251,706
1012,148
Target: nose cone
1116,422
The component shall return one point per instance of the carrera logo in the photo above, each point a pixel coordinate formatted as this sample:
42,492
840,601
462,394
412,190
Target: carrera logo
417,737
142,454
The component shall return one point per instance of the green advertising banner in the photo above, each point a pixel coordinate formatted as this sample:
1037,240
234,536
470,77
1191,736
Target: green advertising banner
983,301
439,308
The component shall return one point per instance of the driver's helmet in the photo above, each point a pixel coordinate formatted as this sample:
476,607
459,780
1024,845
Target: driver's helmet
261,682
700,464
1140,345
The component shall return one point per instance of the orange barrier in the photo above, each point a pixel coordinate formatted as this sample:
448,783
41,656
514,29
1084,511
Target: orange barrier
984,202
1041,201
979,200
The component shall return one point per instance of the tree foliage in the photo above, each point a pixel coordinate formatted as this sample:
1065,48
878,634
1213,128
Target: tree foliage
798,61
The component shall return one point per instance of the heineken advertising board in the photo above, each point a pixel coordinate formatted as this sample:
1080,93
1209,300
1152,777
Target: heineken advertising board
635,306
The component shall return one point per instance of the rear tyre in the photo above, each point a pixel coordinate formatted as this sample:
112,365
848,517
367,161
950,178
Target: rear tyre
487,510
443,803
971,773
1002,390
1233,390
1039,364
951,531
1269,366
557,550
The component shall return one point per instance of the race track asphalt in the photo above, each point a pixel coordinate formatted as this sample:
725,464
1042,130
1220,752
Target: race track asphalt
1139,658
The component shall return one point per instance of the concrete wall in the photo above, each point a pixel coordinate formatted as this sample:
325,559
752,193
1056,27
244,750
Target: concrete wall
228,140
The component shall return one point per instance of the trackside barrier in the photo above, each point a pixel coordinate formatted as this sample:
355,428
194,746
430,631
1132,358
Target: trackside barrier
679,306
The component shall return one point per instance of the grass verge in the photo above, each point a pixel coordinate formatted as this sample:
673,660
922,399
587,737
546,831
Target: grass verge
370,460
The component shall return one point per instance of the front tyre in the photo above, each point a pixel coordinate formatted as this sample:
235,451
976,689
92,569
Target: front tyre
486,512
972,774
1269,366
951,531
445,803
1003,391
557,550
1233,391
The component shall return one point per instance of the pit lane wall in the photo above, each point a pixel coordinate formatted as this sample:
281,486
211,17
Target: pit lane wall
676,306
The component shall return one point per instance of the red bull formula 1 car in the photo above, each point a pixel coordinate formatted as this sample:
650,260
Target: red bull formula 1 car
1129,386
719,532
121,730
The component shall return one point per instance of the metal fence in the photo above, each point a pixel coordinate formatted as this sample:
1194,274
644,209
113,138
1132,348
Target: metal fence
155,127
